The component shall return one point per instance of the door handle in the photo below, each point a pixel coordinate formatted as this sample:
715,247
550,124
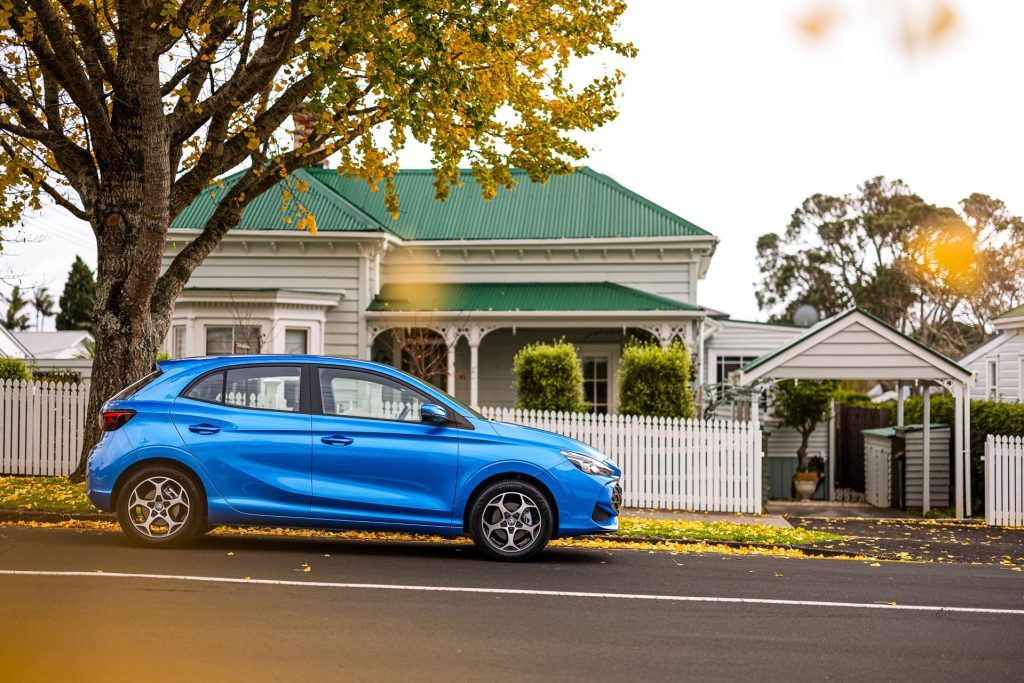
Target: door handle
204,428
337,440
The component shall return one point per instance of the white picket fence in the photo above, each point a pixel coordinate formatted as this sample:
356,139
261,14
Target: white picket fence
1004,480
41,426
712,465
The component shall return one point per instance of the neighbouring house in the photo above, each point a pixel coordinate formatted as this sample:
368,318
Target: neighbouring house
998,364
57,345
10,347
65,351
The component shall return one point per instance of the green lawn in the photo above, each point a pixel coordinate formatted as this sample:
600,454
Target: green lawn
57,494
719,531
49,494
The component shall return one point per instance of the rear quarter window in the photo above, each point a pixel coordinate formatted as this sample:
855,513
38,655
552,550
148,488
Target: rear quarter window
135,388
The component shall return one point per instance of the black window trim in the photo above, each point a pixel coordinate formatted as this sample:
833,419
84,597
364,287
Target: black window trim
304,384
316,403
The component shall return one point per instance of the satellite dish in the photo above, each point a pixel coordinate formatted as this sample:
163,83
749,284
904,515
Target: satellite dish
806,315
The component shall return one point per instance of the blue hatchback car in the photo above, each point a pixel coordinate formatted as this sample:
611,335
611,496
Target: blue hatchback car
306,441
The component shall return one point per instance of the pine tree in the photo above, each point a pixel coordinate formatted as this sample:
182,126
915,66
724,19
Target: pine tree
76,301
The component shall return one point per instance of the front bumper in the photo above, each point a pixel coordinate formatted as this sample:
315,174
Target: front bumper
588,504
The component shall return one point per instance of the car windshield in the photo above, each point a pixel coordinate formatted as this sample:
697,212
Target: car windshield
459,403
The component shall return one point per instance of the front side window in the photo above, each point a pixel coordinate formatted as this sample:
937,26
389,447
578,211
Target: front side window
351,393
233,340
263,387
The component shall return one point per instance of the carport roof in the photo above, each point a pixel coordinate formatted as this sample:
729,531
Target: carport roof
917,353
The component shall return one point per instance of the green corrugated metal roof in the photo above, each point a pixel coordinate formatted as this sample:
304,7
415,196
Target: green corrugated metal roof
521,296
584,204
1012,313
333,213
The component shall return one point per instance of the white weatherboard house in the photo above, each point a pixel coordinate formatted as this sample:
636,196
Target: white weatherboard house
580,257
998,364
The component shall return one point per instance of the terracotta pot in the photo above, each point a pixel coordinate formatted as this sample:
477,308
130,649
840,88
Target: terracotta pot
805,483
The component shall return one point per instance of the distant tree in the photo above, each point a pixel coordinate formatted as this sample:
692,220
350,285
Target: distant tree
937,273
802,405
43,303
76,302
14,319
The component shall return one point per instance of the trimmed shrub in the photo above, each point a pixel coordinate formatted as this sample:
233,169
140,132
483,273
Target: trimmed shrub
987,417
655,381
13,368
549,377
802,405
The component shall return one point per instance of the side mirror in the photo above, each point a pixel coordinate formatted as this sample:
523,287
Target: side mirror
431,413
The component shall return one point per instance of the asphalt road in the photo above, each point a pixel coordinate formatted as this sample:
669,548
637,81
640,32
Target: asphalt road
193,615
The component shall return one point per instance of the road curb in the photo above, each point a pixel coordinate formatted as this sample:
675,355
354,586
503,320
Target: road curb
46,516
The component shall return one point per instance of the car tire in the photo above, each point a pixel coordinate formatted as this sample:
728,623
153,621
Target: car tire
511,521
161,506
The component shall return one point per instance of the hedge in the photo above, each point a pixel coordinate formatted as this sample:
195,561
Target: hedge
987,417
13,368
655,381
549,377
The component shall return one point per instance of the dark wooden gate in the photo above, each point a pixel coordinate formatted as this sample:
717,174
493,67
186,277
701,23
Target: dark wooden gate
850,442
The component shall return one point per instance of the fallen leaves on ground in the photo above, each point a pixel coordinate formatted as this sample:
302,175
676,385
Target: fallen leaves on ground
47,494
720,531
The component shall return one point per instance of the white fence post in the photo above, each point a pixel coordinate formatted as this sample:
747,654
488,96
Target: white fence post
1004,480
667,462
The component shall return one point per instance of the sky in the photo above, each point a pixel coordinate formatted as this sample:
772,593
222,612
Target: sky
732,114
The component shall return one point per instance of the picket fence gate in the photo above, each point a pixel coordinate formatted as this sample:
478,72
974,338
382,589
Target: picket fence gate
41,426
678,464
1004,480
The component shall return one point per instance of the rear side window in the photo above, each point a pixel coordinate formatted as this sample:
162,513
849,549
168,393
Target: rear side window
135,388
265,387
209,389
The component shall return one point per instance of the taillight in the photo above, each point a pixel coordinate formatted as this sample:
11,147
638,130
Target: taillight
115,419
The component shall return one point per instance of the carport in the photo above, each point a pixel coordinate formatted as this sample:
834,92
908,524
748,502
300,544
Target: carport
855,345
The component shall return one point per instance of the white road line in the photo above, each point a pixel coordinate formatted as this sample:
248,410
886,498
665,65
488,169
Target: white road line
513,591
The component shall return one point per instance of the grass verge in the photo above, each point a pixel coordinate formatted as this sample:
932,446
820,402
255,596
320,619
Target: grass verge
43,494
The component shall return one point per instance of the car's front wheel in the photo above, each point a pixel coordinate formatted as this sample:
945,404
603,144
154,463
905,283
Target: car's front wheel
161,507
511,521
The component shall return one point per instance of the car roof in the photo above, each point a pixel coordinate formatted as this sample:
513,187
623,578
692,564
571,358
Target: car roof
202,362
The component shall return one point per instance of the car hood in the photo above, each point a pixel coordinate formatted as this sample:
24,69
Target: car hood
507,430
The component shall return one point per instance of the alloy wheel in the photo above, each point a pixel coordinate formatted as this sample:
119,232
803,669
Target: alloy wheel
158,507
511,522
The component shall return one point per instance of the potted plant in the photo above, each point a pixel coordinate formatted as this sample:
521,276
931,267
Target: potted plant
802,405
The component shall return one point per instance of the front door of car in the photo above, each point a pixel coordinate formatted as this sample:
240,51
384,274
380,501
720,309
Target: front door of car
374,461
248,426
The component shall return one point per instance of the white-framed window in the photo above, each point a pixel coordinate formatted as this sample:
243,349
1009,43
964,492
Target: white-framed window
600,363
296,340
992,379
232,340
178,341
726,365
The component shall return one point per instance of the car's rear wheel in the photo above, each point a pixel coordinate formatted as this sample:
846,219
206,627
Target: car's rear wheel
511,521
161,507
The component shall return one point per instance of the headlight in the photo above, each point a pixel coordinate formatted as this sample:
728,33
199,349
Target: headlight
587,464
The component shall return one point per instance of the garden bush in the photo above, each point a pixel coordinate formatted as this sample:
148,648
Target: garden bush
655,381
987,417
549,377
13,368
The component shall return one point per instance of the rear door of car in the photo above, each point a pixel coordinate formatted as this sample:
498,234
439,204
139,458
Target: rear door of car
249,427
